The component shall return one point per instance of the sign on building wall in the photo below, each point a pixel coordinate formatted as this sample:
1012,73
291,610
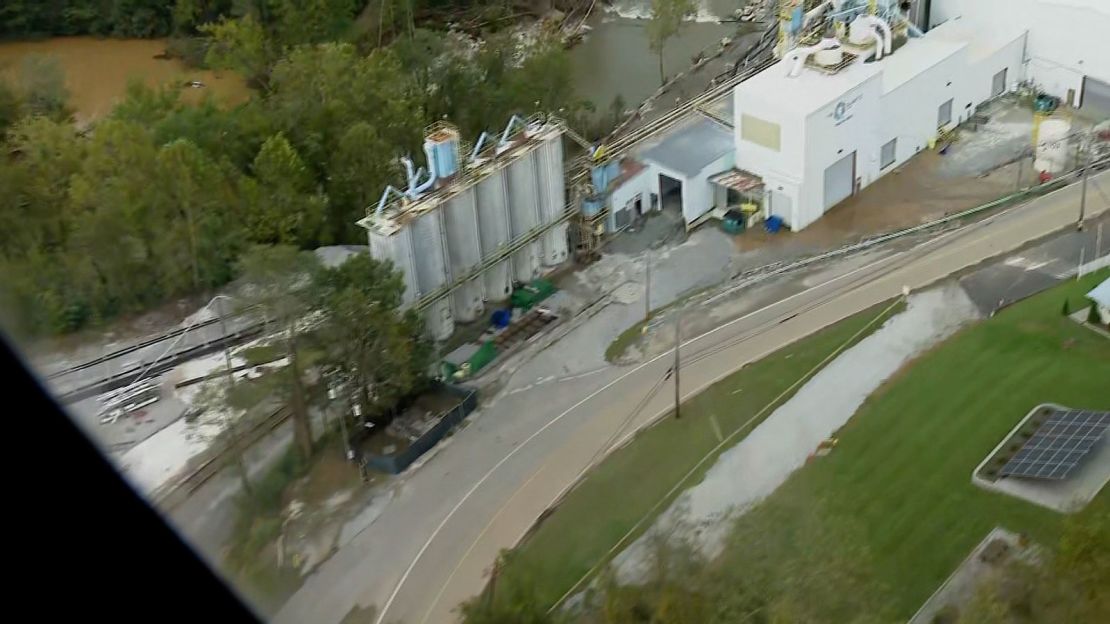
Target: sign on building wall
844,109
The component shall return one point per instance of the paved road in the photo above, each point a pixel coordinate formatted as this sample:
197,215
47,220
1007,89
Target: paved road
431,548
1037,267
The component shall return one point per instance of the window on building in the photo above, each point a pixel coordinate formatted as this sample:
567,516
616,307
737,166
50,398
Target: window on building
886,156
761,132
944,114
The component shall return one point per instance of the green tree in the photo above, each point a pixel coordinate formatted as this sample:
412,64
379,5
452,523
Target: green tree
243,45
1093,316
312,21
322,90
379,349
666,20
42,84
285,207
278,279
357,172
201,209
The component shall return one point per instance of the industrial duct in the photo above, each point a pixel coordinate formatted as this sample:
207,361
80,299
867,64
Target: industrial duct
478,146
886,42
799,55
432,173
389,188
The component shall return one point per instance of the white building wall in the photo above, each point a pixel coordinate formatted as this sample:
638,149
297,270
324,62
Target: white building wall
783,166
977,84
909,112
1067,38
829,139
698,199
619,199
780,169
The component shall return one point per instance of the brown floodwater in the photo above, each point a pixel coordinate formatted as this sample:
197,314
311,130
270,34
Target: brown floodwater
97,71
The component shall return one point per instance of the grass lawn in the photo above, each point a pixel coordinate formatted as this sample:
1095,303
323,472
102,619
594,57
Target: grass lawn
597,513
900,476
898,484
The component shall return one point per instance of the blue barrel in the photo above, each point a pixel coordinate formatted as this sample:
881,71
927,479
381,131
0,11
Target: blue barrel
773,224
501,318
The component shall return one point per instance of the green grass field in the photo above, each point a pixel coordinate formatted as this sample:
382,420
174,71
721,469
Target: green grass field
901,472
898,484
596,514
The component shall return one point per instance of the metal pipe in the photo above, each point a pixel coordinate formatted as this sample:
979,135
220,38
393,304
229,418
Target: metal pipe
799,55
385,196
478,146
410,177
515,119
426,184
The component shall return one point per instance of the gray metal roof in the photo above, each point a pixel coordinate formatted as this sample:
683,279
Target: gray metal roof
690,149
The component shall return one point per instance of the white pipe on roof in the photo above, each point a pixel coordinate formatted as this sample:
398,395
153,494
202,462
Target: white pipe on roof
887,40
799,55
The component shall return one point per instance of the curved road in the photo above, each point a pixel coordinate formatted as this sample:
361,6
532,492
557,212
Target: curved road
432,547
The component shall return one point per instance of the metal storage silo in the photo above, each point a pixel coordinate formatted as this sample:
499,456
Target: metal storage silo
552,197
464,251
394,243
493,225
431,270
525,214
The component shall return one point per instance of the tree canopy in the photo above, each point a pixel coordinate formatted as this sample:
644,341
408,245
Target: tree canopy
159,199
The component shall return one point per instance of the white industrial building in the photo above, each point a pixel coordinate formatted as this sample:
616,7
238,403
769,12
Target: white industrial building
1067,51
818,126
838,113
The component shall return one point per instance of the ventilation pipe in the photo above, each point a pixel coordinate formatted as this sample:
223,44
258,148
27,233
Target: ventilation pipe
385,197
410,176
415,191
887,40
514,121
799,55
478,146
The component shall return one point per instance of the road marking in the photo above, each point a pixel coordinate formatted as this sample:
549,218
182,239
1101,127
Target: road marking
474,544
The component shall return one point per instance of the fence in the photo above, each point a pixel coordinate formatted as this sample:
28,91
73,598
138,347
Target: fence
397,462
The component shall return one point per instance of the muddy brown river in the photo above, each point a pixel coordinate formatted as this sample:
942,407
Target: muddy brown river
97,71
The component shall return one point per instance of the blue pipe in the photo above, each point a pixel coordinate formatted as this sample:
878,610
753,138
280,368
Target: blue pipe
478,146
427,184
410,177
385,197
509,128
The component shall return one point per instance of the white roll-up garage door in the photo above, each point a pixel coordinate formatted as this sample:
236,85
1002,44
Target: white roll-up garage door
1096,98
839,180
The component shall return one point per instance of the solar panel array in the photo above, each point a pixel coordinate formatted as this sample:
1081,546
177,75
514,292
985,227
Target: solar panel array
1058,445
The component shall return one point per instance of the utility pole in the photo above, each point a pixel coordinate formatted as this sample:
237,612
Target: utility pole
647,287
1083,193
677,342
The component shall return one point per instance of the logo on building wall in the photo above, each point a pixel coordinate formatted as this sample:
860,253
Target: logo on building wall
843,110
